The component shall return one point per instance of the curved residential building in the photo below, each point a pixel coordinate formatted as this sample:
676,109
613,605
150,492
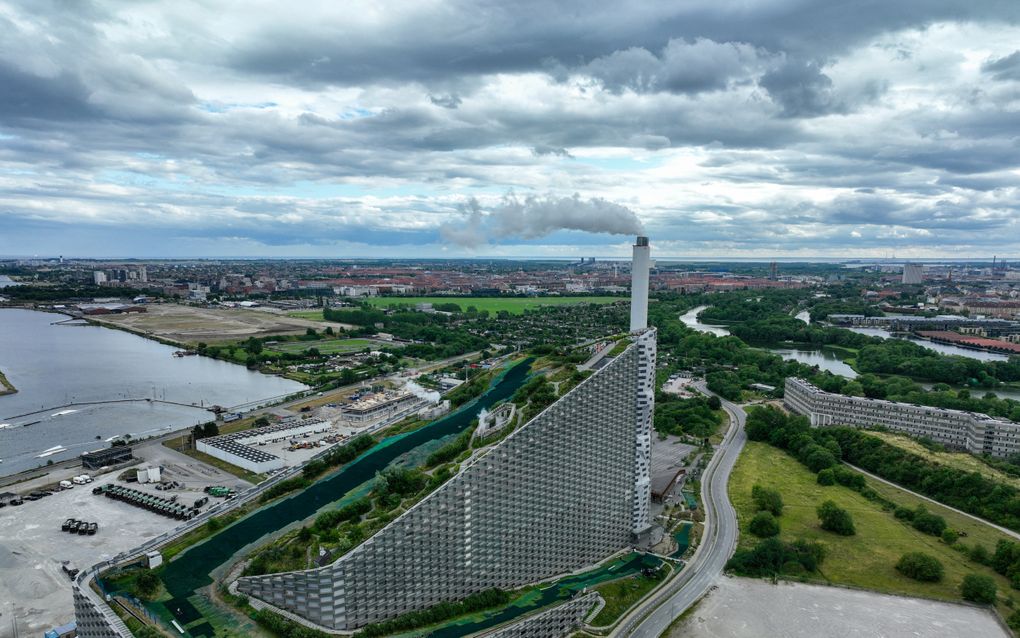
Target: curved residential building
565,490
971,431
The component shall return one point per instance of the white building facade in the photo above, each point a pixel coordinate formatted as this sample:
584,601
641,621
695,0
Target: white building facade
970,431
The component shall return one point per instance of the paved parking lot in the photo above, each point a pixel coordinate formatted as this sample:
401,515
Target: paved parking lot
746,608
33,585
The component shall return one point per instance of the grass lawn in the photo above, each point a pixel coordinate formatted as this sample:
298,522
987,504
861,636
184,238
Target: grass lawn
867,559
956,460
621,595
314,315
333,346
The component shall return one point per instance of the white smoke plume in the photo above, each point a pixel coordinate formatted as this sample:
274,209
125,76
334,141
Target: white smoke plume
429,395
536,216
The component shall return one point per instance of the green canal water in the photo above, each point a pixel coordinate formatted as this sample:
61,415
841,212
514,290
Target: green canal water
683,539
545,596
193,569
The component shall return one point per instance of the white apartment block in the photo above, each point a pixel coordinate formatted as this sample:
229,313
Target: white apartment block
970,431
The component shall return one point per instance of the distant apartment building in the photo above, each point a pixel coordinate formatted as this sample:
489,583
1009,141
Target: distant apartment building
970,431
913,273
1001,309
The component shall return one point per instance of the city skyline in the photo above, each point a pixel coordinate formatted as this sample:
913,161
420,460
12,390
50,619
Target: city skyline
760,130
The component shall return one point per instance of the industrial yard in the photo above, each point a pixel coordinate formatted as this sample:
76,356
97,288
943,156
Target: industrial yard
191,324
34,550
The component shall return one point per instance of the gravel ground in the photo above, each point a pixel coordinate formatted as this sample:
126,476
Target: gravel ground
740,607
191,324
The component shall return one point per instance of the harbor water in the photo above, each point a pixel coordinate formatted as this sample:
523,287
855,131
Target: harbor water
80,386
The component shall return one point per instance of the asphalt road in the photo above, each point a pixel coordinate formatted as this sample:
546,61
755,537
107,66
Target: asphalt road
651,619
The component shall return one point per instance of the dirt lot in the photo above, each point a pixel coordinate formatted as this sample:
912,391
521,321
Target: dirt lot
741,607
190,325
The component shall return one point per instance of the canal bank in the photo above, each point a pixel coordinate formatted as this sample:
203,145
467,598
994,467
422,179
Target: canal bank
183,578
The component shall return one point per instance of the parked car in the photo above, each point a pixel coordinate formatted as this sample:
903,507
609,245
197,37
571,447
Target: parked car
67,524
92,528
66,485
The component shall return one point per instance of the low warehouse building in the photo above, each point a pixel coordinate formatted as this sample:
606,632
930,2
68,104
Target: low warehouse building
236,448
110,456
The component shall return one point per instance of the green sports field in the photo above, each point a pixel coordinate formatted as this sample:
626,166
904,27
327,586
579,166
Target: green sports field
513,305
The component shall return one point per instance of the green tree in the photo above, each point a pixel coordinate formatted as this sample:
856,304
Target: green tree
253,346
836,519
920,566
950,536
978,588
768,500
147,585
764,525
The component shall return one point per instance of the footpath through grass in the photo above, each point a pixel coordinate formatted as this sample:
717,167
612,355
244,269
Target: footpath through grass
867,559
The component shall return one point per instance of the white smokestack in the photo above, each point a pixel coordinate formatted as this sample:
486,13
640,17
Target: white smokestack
639,286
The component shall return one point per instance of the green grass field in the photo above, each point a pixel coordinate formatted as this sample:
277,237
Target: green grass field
620,596
314,315
957,460
513,305
867,559
333,346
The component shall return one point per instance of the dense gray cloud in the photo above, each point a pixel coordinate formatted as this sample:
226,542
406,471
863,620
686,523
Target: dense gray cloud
681,67
1004,68
729,126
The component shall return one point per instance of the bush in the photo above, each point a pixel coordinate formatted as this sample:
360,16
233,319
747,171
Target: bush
772,556
147,585
438,613
849,478
950,536
767,500
1014,621
978,588
904,513
827,477
979,554
764,525
927,523
919,566
836,519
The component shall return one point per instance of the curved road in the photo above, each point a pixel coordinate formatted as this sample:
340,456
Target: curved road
651,619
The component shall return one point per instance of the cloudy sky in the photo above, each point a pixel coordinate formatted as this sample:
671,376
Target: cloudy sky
744,128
